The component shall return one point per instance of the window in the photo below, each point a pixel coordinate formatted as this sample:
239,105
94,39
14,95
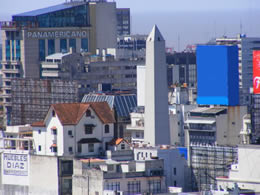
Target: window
54,131
122,146
72,43
63,45
51,46
106,128
70,133
39,131
154,186
39,148
88,113
114,186
137,134
175,183
70,149
53,113
54,149
8,50
174,171
134,187
84,44
79,148
90,147
18,50
89,129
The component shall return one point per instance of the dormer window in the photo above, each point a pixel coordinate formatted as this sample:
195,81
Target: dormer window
53,113
88,113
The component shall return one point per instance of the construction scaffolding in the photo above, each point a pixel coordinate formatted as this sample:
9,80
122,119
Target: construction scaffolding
31,98
209,162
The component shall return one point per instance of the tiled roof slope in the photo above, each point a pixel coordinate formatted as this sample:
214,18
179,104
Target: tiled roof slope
71,113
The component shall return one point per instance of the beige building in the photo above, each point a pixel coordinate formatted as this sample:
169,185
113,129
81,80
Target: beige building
31,36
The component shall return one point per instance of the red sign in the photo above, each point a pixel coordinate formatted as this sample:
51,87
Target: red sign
256,71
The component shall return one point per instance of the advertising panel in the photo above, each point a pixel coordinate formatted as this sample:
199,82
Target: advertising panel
15,164
15,168
256,72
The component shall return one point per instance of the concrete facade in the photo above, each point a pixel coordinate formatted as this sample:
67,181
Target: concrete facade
35,181
245,172
156,101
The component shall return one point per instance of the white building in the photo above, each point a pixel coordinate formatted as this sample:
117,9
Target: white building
74,129
175,163
97,176
245,172
156,91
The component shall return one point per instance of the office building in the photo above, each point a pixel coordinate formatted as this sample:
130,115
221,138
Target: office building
156,91
208,163
217,73
31,98
182,69
245,45
123,21
83,26
244,172
216,125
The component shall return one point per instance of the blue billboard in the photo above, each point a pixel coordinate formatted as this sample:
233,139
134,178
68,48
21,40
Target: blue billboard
217,75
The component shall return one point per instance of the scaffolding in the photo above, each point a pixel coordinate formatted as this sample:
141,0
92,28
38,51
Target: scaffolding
31,98
209,162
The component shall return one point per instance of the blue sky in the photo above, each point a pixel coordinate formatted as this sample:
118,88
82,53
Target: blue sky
193,21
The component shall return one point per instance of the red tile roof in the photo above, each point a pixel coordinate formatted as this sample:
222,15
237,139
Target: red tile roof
38,124
71,113
116,141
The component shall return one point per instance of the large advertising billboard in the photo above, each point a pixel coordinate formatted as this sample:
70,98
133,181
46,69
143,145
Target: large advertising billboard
15,168
256,71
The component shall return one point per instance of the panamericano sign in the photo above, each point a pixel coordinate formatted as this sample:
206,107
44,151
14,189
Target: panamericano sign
15,164
57,34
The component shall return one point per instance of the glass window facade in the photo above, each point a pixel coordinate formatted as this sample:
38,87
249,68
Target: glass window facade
7,50
12,49
72,43
84,44
18,50
56,16
41,49
63,45
51,46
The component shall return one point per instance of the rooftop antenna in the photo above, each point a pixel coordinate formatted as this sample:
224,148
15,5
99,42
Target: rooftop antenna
179,42
241,27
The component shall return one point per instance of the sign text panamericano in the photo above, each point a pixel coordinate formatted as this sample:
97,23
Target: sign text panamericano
57,34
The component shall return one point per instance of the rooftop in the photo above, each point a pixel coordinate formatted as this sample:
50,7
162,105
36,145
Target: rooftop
205,110
46,10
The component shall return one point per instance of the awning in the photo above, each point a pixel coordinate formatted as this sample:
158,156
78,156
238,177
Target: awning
88,141
199,121
54,145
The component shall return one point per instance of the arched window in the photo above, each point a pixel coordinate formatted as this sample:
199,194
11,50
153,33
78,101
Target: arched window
88,113
53,113
106,128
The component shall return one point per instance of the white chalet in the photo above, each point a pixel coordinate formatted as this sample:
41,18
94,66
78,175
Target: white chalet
74,129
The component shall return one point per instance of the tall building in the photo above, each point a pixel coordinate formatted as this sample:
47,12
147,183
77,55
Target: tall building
83,26
156,101
246,45
31,98
182,68
123,21
217,73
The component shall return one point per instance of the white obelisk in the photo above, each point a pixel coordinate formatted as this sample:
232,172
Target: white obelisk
156,91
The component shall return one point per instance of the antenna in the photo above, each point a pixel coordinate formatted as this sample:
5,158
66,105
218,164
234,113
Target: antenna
241,27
